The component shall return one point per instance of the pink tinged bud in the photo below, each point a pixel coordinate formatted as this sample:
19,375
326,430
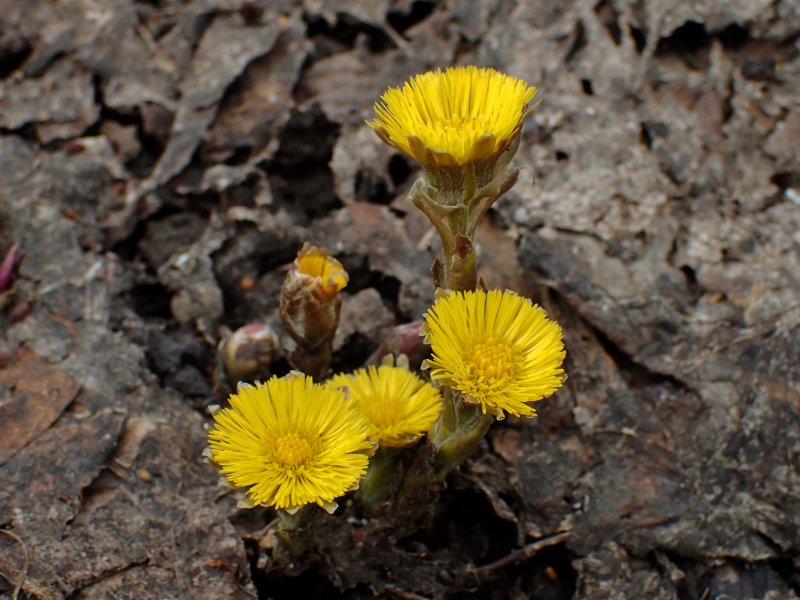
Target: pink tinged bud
408,335
310,299
249,351
10,267
407,340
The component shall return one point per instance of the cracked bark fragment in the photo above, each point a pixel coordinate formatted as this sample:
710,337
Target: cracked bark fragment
222,54
37,395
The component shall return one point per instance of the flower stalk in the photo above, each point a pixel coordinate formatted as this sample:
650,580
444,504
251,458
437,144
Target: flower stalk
456,223
463,125
295,529
454,437
457,433
386,470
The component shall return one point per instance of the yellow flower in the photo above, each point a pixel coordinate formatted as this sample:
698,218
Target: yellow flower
453,117
318,270
399,405
496,348
291,442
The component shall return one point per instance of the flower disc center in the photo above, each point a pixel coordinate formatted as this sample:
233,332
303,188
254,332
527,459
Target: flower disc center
382,412
456,123
492,359
293,450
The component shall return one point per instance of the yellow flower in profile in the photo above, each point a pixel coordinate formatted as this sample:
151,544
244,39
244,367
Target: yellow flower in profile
496,348
453,117
290,442
310,301
319,271
399,405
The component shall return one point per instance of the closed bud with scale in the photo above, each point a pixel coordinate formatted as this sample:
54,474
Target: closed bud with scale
310,305
310,300
248,352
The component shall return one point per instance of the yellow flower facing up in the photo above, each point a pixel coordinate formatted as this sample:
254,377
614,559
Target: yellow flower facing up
399,405
496,348
453,117
291,442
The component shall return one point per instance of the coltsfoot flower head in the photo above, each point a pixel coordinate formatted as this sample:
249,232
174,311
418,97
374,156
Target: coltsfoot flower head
454,117
399,405
310,300
463,124
290,442
496,348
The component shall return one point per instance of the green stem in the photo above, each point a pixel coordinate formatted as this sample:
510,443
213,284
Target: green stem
462,274
457,433
385,469
455,437
295,530
455,205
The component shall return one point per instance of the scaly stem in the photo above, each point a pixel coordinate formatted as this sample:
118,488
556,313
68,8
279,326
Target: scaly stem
455,437
455,205
385,469
313,362
295,530
457,433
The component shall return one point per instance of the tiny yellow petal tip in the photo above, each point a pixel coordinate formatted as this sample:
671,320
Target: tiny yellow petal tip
330,507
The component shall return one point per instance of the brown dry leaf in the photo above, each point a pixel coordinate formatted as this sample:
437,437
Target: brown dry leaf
258,104
344,103
365,314
506,443
223,53
35,393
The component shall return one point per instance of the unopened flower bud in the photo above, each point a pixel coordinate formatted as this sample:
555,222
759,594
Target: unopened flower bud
408,342
402,340
249,351
310,300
